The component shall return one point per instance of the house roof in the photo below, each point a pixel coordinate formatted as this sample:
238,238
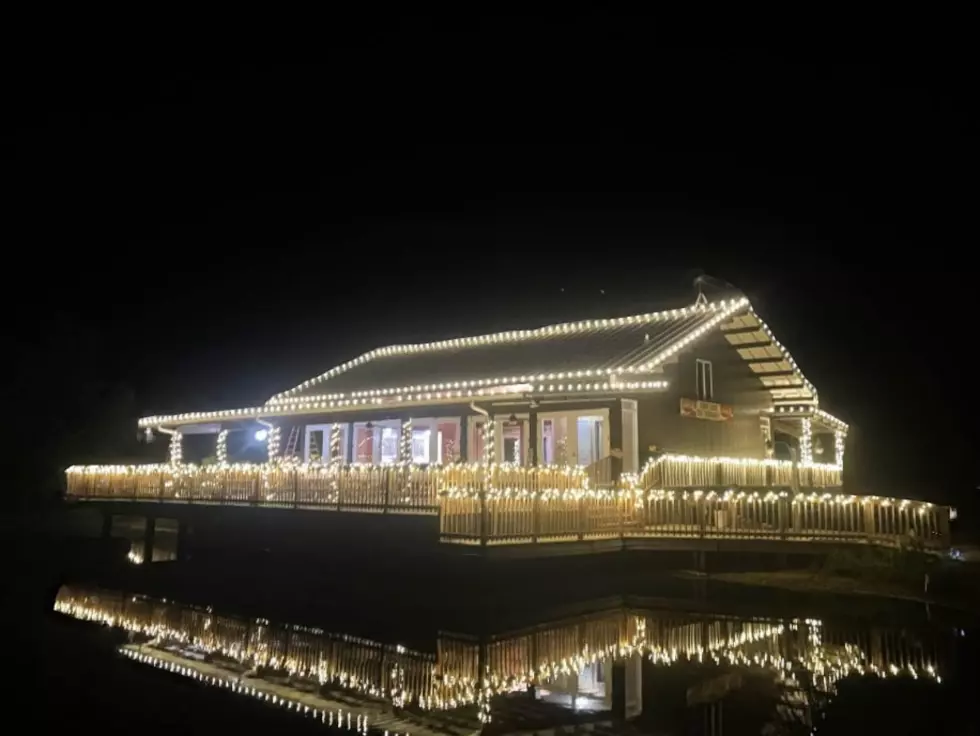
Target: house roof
603,347
591,356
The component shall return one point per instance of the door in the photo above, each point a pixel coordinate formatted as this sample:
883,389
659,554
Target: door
510,439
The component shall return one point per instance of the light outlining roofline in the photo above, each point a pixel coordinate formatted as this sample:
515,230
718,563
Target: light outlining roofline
786,354
498,390
610,380
513,336
807,410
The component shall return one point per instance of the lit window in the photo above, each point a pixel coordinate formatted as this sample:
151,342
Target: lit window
420,445
705,380
389,445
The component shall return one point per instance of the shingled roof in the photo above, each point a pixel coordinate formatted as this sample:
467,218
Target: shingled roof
592,347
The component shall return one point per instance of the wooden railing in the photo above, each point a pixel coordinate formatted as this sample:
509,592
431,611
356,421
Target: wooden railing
687,471
674,514
396,488
516,505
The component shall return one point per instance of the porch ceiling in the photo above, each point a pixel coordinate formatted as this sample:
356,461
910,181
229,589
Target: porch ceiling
768,359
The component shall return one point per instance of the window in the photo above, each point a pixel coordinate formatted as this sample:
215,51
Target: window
512,435
705,380
390,437
573,438
447,440
377,442
420,445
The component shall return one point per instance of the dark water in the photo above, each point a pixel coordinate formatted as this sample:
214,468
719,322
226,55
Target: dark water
603,643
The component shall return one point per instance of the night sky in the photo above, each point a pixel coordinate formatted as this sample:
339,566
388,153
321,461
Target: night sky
189,236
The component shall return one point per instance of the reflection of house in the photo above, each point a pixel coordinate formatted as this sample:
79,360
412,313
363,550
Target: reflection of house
706,380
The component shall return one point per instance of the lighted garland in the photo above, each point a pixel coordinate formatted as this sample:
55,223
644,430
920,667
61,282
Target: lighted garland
826,668
273,442
176,449
221,447
406,395
632,485
806,441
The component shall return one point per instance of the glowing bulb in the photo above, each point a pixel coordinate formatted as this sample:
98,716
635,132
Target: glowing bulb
262,435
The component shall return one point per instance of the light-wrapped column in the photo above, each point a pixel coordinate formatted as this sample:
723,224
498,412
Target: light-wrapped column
221,449
272,443
806,441
176,448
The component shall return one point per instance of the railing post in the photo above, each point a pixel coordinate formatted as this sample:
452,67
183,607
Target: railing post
484,521
535,517
295,488
386,500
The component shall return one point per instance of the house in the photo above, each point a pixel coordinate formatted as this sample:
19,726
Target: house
708,380
689,427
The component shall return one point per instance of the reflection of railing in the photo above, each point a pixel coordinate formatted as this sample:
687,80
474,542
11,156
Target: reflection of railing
539,656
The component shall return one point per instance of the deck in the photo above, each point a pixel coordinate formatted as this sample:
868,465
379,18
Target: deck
675,498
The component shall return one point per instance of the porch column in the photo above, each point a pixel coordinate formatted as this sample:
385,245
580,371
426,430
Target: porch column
463,445
221,448
489,460
806,441
615,440
405,453
405,458
176,448
272,443
532,439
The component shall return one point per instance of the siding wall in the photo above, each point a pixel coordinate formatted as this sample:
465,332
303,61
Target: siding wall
660,421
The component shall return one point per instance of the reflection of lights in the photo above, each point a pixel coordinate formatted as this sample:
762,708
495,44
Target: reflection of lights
261,435
783,648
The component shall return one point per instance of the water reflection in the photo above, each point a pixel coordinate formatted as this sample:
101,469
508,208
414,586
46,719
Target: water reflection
605,665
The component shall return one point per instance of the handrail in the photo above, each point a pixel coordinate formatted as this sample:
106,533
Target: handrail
514,504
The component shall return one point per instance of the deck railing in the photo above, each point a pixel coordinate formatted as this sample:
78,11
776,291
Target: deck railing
689,471
783,516
507,504
408,488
